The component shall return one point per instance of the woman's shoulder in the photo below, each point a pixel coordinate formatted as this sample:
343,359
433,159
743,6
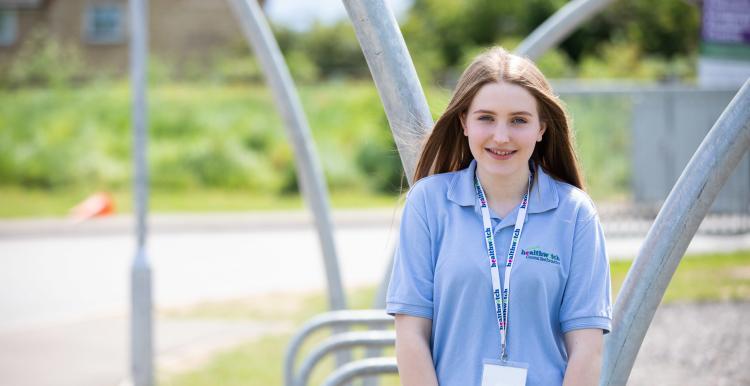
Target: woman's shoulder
435,185
575,199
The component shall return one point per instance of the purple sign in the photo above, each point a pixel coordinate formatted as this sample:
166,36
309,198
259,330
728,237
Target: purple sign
726,21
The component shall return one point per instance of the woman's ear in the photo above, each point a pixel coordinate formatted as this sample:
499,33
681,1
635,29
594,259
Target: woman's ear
542,130
462,119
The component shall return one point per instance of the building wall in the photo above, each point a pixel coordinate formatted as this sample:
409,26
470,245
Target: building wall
181,31
28,20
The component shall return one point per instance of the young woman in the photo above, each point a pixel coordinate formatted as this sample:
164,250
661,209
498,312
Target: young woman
501,276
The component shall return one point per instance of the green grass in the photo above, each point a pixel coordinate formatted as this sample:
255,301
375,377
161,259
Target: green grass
718,277
700,278
17,202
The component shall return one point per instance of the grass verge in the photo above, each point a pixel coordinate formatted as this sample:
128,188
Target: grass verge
18,203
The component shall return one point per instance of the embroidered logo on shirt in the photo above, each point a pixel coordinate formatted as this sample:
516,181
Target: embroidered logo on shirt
540,255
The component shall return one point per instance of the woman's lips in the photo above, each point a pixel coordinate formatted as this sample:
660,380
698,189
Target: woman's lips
500,154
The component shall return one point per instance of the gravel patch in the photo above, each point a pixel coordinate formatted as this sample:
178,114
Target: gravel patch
696,344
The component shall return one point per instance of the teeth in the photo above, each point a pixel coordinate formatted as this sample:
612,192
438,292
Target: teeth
500,152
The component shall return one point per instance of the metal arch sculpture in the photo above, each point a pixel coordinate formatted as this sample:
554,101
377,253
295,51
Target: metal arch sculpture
309,173
394,74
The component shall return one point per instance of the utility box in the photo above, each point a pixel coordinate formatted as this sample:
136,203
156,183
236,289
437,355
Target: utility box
668,126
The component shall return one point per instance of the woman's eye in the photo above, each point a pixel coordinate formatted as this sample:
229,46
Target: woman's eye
518,121
485,118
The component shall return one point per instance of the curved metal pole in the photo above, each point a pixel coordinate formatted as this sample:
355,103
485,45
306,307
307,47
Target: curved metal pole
262,42
343,341
360,368
141,296
395,77
668,238
559,26
329,319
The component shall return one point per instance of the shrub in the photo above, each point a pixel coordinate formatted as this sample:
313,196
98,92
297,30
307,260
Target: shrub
378,158
44,61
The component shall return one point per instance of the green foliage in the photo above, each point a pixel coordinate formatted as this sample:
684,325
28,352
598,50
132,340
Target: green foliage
657,40
334,50
619,59
556,64
230,137
663,28
663,34
200,137
378,158
42,60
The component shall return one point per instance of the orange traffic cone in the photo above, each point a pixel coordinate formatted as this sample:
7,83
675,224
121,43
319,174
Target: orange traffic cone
96,205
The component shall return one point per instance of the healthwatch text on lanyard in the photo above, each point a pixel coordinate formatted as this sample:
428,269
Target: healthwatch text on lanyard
501,294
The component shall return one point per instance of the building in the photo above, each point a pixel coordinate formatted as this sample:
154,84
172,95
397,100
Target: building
180,31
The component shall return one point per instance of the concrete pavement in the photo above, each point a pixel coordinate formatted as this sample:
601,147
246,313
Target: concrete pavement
94,352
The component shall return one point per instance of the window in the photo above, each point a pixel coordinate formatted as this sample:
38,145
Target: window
105,24
8,27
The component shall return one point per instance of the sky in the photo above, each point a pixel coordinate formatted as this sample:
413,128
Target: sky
301,14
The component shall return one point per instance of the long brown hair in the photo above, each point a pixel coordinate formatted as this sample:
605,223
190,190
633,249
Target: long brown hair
446,149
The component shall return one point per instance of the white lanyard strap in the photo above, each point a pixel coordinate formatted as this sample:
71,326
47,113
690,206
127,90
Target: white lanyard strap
501,294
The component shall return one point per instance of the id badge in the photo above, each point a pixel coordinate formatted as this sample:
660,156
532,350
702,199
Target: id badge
503,373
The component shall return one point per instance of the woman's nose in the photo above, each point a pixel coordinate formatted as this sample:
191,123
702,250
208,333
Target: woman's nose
501,133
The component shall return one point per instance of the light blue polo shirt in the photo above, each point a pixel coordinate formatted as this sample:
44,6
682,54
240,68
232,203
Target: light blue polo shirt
441,272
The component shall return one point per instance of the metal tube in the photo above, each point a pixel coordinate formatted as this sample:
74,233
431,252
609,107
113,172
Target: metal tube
668,238
363,367
263,43
379,302
141,314
343,341
395,77
398,86
329,319
559,26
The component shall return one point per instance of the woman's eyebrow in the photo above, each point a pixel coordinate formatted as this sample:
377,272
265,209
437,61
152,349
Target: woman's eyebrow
483,111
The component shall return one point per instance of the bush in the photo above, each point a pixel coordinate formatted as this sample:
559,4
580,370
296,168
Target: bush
42,60
379,160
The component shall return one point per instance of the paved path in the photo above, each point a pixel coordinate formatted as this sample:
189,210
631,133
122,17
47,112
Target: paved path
696,344
64,287
95,352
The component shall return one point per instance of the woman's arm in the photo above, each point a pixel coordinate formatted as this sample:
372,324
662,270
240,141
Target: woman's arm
413,353
584,348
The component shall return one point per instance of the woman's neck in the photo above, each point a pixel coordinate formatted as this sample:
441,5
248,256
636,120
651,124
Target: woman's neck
504,194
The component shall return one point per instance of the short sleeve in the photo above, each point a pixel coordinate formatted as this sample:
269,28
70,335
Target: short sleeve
410,290
587,300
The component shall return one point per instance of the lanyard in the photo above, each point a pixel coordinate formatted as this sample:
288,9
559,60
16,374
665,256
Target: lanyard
501,301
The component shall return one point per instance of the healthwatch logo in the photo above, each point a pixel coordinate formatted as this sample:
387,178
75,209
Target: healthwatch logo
540,255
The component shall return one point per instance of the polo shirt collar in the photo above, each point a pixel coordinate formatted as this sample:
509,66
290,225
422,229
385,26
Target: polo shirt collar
543,193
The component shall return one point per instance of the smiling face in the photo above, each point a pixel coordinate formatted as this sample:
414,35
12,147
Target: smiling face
502,125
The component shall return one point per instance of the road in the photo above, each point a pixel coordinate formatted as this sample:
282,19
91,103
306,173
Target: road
72,274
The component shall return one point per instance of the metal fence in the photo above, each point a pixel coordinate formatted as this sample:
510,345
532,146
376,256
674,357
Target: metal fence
635,140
